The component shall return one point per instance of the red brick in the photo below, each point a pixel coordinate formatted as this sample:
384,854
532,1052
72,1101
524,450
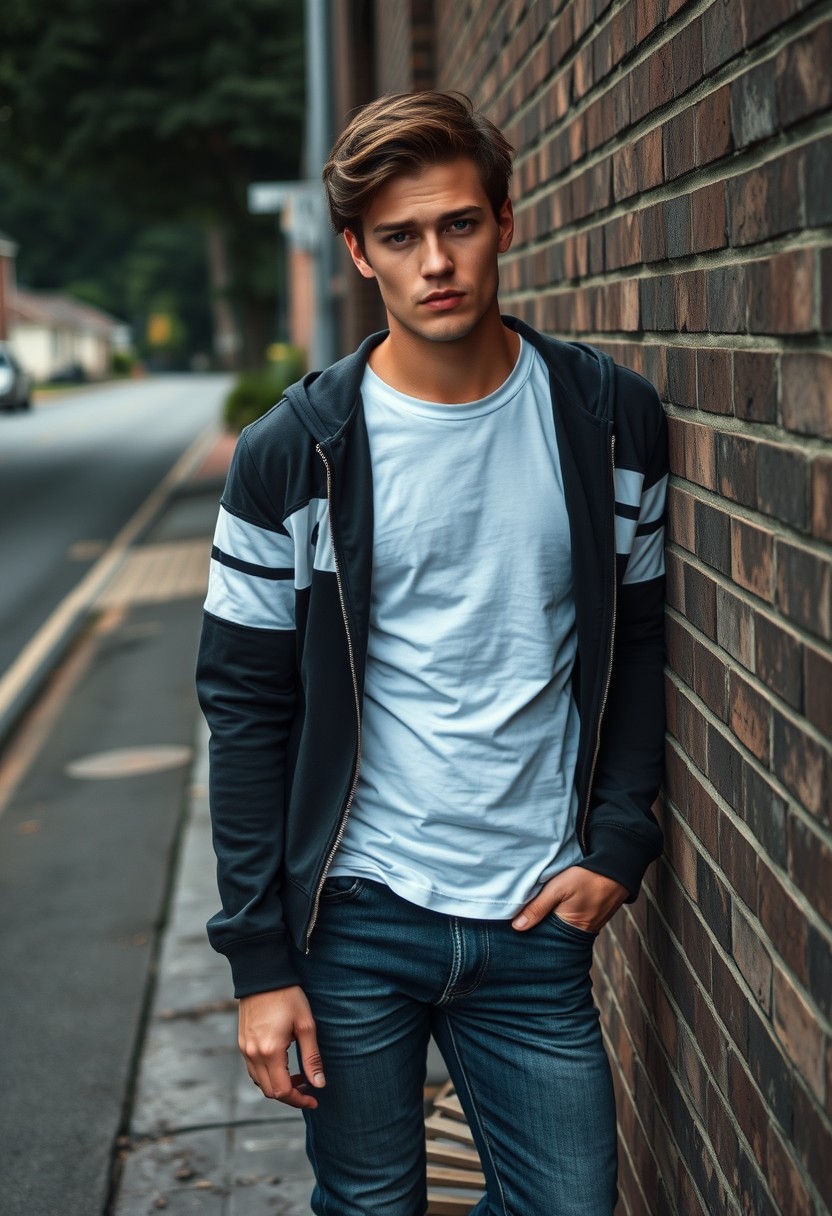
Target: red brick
722,34
764,811
779,659
689,292
818,685
754,105
700,456
686,50
783,919
704,815
783,484
708,224
752,558
798,1030
726,299
714,380
720,1123
781,293
804,587
693,1074
769,1068
765,202
748,1107
812,1142
802,764
648,159
625,178
804,82
821,497
755,386
783,1175
681,376
711,1038
681,518
713,536
807,394
749,716
712,126
652,232
738,859
681,854
737,467
752,958
735,627
678,140
700,600
709,680
677,226
810,865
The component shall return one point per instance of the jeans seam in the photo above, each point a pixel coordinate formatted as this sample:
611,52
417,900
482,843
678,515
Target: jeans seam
477,1116
456,963
478,978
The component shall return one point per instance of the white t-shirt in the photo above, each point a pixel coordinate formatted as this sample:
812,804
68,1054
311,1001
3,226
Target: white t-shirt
466,797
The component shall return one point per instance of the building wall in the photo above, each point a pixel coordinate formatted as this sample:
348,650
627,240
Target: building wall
674,202
674,207
6,287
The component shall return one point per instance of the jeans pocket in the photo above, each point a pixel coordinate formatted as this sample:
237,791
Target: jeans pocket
342,889
575,931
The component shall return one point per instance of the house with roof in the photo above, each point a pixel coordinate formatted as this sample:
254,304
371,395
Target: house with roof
8,251
55,335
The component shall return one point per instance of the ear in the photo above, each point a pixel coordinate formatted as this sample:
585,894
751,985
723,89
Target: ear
357,254
505,226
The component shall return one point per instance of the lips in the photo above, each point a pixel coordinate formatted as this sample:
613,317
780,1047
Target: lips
442,301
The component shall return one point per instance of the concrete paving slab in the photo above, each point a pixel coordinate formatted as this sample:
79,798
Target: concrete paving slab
178,1175
188,1074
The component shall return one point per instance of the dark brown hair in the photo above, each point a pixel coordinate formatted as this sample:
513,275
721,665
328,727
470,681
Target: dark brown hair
402,133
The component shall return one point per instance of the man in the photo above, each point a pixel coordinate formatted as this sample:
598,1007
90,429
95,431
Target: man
432,666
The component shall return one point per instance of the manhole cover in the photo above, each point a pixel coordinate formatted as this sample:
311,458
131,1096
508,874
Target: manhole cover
129,762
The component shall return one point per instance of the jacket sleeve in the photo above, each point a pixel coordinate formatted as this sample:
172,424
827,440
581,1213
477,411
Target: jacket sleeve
624,836
246,684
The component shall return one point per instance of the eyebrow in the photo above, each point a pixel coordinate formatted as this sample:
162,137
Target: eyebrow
444,218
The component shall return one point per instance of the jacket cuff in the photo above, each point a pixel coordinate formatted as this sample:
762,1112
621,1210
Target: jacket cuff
260,964
619,855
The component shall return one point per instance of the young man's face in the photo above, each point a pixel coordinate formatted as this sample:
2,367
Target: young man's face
431,241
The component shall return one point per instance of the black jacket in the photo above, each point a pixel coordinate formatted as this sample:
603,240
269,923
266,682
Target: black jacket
281,661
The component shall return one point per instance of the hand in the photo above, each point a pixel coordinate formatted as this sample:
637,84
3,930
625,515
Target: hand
269,1022
581,896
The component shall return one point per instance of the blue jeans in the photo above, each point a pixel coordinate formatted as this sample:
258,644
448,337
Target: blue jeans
514,1018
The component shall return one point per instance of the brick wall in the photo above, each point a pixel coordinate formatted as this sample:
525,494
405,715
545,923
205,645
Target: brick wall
674,202
674,207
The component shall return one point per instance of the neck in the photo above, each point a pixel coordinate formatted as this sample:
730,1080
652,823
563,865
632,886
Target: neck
450,373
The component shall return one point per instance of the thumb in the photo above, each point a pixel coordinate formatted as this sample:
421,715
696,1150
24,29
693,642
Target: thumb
310,1057
537,908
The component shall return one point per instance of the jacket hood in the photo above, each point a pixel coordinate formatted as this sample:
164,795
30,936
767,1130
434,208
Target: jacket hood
325,401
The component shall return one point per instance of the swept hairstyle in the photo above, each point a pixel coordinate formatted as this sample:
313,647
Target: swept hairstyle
405,132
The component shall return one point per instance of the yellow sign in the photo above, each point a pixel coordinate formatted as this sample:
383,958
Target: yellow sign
159,329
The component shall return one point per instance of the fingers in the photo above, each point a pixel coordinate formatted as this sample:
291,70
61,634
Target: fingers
269,1022
534,912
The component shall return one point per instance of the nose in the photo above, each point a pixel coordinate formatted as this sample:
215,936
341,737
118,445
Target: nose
435,259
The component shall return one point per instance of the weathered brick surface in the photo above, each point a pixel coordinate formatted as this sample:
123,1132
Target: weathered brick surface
673,198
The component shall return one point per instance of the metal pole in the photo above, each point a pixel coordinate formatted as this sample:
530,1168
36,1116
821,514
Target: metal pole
318,141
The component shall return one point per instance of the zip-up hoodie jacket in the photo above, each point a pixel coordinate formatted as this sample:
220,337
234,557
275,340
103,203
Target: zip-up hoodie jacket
281,662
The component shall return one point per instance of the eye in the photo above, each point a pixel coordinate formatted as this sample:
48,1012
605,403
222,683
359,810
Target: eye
462,225
396,238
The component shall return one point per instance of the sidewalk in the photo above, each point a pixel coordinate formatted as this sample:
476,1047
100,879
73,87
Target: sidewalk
202,1139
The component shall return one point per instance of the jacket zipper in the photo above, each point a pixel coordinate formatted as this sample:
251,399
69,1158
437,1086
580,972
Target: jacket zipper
346,812
609,664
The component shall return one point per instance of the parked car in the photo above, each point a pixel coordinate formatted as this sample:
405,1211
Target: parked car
15,384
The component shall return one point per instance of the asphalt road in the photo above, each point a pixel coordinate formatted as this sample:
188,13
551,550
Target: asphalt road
72,473
85,868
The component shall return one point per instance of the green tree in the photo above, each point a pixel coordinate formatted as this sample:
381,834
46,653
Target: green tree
171,108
